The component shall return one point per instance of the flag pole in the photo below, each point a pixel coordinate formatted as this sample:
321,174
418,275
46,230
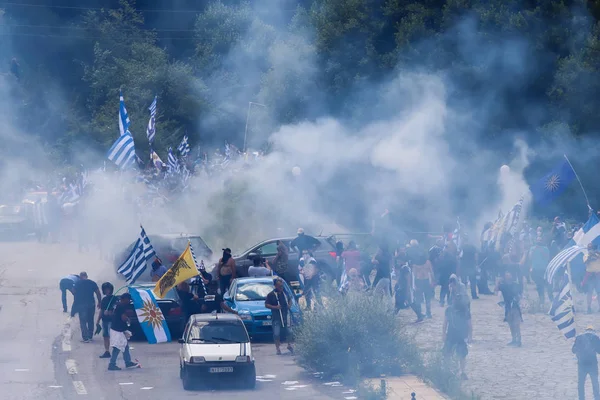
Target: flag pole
578,180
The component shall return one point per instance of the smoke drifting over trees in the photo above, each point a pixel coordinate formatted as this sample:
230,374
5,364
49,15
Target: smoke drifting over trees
411,106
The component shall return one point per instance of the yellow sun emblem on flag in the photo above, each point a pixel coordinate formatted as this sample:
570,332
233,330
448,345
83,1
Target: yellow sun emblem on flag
553,183
151,313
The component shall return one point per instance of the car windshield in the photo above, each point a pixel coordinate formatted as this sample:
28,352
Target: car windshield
253,291
218,332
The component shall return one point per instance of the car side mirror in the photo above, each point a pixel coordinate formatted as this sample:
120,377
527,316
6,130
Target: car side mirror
251,256
181,341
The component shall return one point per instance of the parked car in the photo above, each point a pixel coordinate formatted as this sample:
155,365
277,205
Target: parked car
214,347
324,254
247,296
171,308
168,248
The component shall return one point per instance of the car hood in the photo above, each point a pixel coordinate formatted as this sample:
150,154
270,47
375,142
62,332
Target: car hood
252,306
218,352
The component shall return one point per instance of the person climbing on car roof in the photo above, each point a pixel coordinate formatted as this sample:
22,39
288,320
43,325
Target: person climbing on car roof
304,242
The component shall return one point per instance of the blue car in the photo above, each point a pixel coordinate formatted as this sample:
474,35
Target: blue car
247,296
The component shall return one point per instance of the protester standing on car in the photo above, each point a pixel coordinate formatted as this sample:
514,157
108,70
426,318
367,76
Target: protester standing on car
226,270
158,270
67,283
279,305
84,305
107,306
119,334
201,282
304,242
586,346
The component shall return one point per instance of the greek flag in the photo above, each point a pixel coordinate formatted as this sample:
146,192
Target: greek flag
589,233
135,264
562,312
172,161
123,116
151,131
122,151
184,147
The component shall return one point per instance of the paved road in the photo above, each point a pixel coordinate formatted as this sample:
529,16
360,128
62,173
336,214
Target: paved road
41,355
544,368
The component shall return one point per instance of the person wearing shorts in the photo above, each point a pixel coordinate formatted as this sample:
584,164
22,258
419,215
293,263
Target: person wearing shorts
279,305
107,306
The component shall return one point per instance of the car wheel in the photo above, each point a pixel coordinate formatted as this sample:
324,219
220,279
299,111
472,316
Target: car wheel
187,380
250,380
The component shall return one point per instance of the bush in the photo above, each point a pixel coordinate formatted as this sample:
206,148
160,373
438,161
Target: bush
355,336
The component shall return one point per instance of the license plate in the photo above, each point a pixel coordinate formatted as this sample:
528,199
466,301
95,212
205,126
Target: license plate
219,370
267,323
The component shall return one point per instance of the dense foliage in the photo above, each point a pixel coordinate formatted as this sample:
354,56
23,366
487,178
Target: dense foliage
526,66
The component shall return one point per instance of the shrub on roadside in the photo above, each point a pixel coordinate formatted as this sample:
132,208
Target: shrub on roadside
355,336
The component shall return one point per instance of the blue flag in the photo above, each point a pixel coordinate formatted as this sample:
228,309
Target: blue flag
548,188
150,316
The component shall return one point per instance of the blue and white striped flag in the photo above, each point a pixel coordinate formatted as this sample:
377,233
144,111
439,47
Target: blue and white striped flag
122,151
184,147
151,131
562,312
172,162
575,250
123,116
135,264
150,316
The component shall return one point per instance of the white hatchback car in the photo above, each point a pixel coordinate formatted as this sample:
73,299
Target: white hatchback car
216,347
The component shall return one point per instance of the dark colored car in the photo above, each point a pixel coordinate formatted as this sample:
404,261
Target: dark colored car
168,248
324,253
171,308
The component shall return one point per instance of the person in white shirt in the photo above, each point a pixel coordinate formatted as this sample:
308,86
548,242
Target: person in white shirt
259,269
310,272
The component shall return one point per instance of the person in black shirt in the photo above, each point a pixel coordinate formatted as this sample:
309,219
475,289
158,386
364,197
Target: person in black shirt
279,305
586,346
107,306
190,303
512,311
304,242
214,302
119,334
84,305
447,267
383,264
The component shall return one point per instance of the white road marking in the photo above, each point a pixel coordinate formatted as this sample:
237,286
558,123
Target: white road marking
71,367
54,386
21,370
299,386
263,380
269,376
290,388
79,387
289,383
350,391
147,388
351,398
126,383
332,384
67,333
66,347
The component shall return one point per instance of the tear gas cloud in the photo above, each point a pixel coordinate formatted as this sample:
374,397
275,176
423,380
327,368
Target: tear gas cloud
411,143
